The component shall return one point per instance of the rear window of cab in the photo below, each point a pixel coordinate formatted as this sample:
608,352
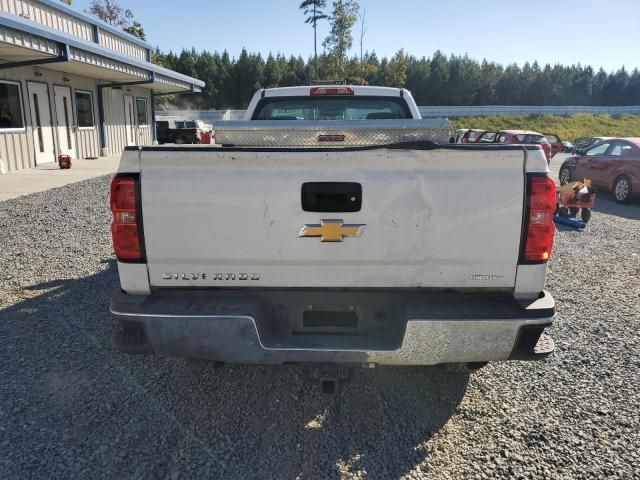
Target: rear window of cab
331,108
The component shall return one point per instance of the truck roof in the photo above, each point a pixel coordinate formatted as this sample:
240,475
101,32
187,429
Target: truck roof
357,90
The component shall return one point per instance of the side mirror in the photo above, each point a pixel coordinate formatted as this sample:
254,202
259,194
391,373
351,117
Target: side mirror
581,151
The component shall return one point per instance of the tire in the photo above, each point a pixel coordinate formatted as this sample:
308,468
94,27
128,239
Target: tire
565,175
179,141
622,189
563,212
573,211
585,215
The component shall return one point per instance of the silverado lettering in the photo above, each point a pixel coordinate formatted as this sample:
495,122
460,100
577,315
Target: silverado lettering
215,276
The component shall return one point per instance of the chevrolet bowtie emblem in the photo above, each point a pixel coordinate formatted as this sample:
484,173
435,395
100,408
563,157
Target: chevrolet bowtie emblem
331,230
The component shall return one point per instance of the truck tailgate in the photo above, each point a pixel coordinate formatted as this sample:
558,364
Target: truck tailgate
446,217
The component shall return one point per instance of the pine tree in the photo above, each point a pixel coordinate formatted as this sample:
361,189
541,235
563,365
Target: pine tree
435,80
313,11
340,40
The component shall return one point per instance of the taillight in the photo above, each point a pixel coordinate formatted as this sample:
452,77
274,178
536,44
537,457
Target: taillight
540,229
331,91
126,227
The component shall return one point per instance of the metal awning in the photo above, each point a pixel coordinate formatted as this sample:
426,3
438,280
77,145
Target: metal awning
24,42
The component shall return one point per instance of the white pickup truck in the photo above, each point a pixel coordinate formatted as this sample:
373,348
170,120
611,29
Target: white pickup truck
328,229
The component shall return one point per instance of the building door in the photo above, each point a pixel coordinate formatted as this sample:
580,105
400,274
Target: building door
41,121
129,120
64,121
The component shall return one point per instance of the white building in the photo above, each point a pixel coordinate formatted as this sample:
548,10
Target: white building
70,84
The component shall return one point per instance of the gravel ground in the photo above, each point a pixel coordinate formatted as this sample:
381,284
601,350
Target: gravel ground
71,407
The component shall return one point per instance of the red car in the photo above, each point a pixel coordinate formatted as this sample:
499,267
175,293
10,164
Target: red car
611,165
557,146
517,137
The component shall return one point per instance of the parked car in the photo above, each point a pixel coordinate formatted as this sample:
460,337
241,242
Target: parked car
569,147
557,145
611,165
467,135
487,137
180,131
525,137
585,142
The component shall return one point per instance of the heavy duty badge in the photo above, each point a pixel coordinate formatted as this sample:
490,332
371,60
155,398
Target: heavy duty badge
331,230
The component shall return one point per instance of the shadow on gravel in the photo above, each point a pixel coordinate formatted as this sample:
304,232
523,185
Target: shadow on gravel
565,228
606,204
73,407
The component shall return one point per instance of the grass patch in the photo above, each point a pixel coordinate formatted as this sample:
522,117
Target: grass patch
568,127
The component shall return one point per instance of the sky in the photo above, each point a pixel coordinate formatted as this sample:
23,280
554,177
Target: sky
590,32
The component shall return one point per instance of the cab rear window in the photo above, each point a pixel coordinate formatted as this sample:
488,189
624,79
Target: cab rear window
331,108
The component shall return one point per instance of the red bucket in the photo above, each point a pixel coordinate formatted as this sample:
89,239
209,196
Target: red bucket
205,138
64,161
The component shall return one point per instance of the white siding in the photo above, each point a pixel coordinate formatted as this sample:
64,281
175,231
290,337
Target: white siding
173,82
122,45
26,40
145,134
58,20
104,62
89,141
114,117
45,15
17,149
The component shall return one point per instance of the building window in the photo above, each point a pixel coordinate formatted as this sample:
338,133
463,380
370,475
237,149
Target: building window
141,109
84,109
10,106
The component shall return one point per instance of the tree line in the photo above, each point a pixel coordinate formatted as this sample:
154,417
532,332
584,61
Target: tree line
436,80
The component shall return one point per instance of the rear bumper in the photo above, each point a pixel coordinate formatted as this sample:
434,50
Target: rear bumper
404,328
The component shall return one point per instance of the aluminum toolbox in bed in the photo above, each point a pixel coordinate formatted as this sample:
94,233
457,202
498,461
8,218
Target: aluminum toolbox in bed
330,133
